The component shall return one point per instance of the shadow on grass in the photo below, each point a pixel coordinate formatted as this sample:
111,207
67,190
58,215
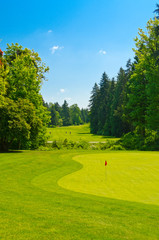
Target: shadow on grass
94,135
12,151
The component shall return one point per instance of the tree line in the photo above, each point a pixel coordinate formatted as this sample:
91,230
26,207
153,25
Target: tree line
24,116
65,115
129,105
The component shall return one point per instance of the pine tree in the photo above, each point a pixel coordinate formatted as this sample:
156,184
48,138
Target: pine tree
118,125
84,115
65,113
157,11
108,123
94,105
103,103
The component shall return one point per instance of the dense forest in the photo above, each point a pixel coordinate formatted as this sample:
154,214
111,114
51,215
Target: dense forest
65,115
128,106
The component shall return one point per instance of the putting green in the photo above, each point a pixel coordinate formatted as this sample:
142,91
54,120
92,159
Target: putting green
132,176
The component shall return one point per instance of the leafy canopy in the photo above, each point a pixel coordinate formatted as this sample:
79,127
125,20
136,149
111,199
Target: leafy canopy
23,117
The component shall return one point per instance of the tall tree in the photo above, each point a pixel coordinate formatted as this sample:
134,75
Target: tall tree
118,126
58,108
157,11
84,115
143,104
103,102
75,114
66,114
94,106
23,117
53,114
110,112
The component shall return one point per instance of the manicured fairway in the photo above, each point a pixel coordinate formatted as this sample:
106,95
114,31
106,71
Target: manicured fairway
74,133
34,207
127,176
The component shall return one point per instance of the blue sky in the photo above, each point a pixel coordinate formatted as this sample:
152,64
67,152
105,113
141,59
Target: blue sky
77,39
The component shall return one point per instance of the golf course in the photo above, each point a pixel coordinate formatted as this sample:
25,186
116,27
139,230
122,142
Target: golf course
79,120
71,194
75,133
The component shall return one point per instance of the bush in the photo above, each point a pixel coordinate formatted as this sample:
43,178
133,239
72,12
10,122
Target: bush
57,144
117,147
107,145
151,141
134,141
70,144
83,145
44,148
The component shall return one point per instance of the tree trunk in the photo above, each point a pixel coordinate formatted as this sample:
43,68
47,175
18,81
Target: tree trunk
4,146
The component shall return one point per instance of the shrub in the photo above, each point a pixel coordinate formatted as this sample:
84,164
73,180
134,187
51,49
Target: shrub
151,141
57,144
44,148
117,147
134,141
83,144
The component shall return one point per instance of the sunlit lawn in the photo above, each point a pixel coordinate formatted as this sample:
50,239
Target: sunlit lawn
75,133
34,207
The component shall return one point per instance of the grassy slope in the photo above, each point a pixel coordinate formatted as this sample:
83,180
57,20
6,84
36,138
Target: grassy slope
33,207
81,132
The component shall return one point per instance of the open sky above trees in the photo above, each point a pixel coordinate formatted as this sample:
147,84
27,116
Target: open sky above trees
78,40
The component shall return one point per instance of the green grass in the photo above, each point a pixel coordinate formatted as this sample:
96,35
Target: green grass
34,207
132,176
75,133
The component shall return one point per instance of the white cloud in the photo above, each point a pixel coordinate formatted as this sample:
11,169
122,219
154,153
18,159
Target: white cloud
102,52
62,90
55,48
50,31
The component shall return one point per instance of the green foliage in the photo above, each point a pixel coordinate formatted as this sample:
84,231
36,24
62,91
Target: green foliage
70,115
69,144
107,105
103,103
75,114
152,141
157,11
84,115
56,119
57,144
135,141
108,145
142,105
65,113
117,147
94,109
23,118
131,104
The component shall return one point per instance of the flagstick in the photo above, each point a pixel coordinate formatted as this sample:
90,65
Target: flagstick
105,171
105,175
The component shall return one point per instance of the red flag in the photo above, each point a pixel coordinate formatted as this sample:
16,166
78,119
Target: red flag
105,163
